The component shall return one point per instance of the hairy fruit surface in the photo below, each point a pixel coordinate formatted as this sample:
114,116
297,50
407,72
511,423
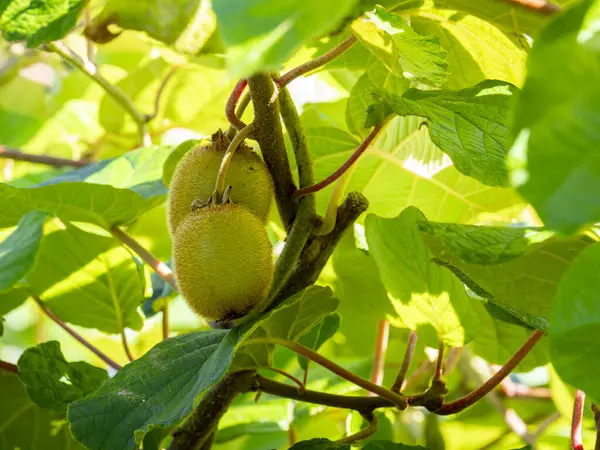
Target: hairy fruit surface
195,176
223,261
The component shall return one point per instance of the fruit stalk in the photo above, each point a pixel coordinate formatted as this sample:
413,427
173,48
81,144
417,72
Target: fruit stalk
235,143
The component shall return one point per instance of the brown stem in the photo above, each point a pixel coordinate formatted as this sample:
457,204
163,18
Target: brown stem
315,63
369,430
269,135
159,93
383,332
408,355
158,266
203,422
397,399
8,367
230,106
576,423
76,335
17,155
541,6
126,345
289,376
476,395
344,167
518,390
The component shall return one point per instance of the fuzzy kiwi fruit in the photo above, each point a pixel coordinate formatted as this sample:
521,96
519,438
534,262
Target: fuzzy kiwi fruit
223,261
195,176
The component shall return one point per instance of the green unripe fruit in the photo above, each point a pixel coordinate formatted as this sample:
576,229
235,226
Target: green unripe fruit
195,176
223,261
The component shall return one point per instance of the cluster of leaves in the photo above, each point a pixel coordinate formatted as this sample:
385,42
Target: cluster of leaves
482,193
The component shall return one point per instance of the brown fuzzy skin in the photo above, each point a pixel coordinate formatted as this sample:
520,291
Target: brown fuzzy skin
223,261
195,176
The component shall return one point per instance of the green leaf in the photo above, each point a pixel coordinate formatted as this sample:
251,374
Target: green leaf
262,34
477,50
555,160
498,340
51,381
38,22
173,159
20,417
186,24
318,335
404,168
422,292
575,323
484,245
83,202
363,298
524,286
12,299
88,280
159,389
319,444
387,445
156,390
470,125
18,251
295,317
361,95
406,53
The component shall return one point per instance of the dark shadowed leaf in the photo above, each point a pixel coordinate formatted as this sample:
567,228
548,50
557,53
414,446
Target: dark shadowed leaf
51,381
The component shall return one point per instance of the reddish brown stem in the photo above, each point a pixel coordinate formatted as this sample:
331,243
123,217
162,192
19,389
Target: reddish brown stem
76,335
8,367
159,93
477,394
576,431
232,117
126,346
17,155
383,332
165,321
408,355
158,266
343,168
313,64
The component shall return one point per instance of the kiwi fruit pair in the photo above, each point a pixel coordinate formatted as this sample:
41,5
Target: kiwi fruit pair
221,252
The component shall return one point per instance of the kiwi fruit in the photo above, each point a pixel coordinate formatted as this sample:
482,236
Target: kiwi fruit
195,176
223,261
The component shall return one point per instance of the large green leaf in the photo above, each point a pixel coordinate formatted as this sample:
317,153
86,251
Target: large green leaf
186,24
19,250
555,158
290,321
363,298
159,389
318,335
38,22
88,280
484,245
406,53
262,34
51,381
396,172
84,202
575,323
25,425
523,285
477,50
422,292
470,125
